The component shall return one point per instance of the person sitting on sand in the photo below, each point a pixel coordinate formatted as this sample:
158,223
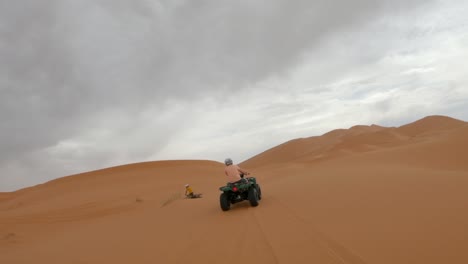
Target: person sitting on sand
189,192
234,172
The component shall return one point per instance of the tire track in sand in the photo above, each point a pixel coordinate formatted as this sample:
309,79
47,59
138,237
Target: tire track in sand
335,249
286,237
264,237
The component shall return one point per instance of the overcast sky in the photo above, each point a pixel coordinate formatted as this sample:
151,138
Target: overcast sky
91,84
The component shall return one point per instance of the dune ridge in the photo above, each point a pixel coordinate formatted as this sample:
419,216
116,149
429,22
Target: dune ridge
367,194
358,138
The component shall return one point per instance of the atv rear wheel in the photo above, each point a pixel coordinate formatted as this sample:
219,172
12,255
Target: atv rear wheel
224,202
259,192
253,196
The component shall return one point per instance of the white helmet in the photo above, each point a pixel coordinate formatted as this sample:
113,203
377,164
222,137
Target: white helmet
228,161
186,185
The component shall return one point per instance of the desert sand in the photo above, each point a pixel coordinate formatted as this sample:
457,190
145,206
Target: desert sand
367,194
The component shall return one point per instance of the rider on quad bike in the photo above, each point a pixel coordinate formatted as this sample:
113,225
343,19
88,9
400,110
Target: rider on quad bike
238,188
233,172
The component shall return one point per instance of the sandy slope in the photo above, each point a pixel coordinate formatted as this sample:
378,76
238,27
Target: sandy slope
368,194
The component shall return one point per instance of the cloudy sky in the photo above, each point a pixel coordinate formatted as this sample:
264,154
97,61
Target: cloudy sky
91,84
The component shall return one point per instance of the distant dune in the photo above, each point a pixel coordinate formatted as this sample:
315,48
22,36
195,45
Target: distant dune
367,194
342,142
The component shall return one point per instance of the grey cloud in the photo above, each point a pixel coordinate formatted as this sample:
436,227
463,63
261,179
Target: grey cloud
34,71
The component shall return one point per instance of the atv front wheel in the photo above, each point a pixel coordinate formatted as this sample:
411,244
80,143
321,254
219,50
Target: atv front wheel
253,196
224,202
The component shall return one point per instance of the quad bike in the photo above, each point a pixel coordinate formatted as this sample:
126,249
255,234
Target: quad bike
245,189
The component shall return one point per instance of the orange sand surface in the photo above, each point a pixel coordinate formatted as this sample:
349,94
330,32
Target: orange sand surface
368,194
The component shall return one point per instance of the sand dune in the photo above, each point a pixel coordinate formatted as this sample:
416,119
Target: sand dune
368,194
